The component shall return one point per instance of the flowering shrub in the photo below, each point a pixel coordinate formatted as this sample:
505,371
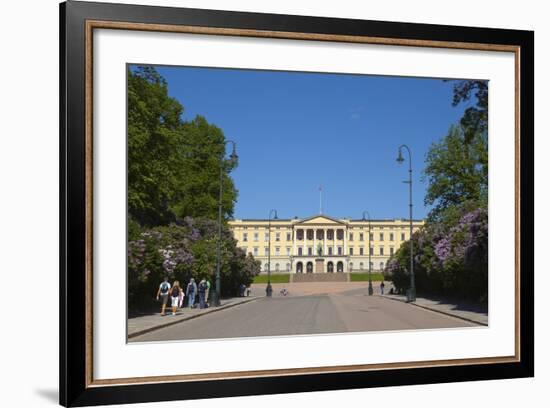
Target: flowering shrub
181,251
449,258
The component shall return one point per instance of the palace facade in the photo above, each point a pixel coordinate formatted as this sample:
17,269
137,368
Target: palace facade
321,244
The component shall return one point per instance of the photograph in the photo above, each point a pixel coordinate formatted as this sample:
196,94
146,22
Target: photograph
266,203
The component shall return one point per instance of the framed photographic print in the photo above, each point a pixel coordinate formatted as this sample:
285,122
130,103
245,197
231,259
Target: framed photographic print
283,204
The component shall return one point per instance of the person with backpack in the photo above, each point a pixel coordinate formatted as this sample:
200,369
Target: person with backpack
175,294
202,293
191,292
162,293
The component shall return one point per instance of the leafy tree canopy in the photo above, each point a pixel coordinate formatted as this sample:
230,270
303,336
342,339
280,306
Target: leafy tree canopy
456,171
475,118
173,165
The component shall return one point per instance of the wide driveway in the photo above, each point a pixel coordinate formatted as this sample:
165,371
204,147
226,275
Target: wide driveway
346,311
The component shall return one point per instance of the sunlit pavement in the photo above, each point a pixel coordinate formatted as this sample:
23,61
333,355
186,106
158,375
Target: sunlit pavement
335,311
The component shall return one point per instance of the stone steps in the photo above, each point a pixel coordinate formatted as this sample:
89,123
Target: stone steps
319,277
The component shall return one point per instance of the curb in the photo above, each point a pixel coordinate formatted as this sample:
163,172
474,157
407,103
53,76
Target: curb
436,310
183,319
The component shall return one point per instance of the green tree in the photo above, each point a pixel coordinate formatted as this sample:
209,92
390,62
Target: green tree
154,140
173,165
197,193
456,171
475,118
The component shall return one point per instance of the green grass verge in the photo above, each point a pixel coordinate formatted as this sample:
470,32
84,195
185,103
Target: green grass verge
361,277
275,278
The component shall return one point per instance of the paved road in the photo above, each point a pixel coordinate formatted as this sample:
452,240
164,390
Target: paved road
349,311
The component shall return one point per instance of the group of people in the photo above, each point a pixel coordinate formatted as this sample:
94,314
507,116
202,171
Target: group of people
177,294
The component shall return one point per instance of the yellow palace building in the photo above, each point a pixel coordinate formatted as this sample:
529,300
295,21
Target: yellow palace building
321,244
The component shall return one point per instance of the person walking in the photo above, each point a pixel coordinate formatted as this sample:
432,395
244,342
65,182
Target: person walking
382,286
202,293
175,295
191,292
181,298
162,294
207,292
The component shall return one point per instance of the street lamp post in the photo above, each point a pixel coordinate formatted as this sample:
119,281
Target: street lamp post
371,291
411,294
232,160
269,289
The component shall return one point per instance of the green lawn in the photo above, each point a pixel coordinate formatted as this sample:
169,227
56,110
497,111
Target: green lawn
275,278
360,277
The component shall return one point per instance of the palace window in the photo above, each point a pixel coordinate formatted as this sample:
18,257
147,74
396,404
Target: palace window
245,237
288,267
277,251
371,251
381,236
371,236
361,265
278,236
351,236
361,250
351,251
361,238
266,236
339,250
310,251
255,251
330,250
266,251
299,251
288,236
288,251
276,266
381,265
391,250
266,267
391,236
351,266
255,236
402,236
381,250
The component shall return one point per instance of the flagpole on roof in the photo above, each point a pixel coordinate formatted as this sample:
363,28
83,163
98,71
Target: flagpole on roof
320,199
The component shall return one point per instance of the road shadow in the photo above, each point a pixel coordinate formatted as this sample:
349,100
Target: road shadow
459,304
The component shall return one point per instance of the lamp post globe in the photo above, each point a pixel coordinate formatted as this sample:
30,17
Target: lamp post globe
215,295
269,288
411,293
371,290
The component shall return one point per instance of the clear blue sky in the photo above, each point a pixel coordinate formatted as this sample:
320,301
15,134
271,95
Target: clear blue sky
297,131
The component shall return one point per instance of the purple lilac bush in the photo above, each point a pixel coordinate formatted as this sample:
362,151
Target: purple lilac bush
183,250
448,259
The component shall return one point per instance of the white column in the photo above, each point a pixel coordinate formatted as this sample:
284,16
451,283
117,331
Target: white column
334,241
345,241
304,236
293,241
314,241
325,242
